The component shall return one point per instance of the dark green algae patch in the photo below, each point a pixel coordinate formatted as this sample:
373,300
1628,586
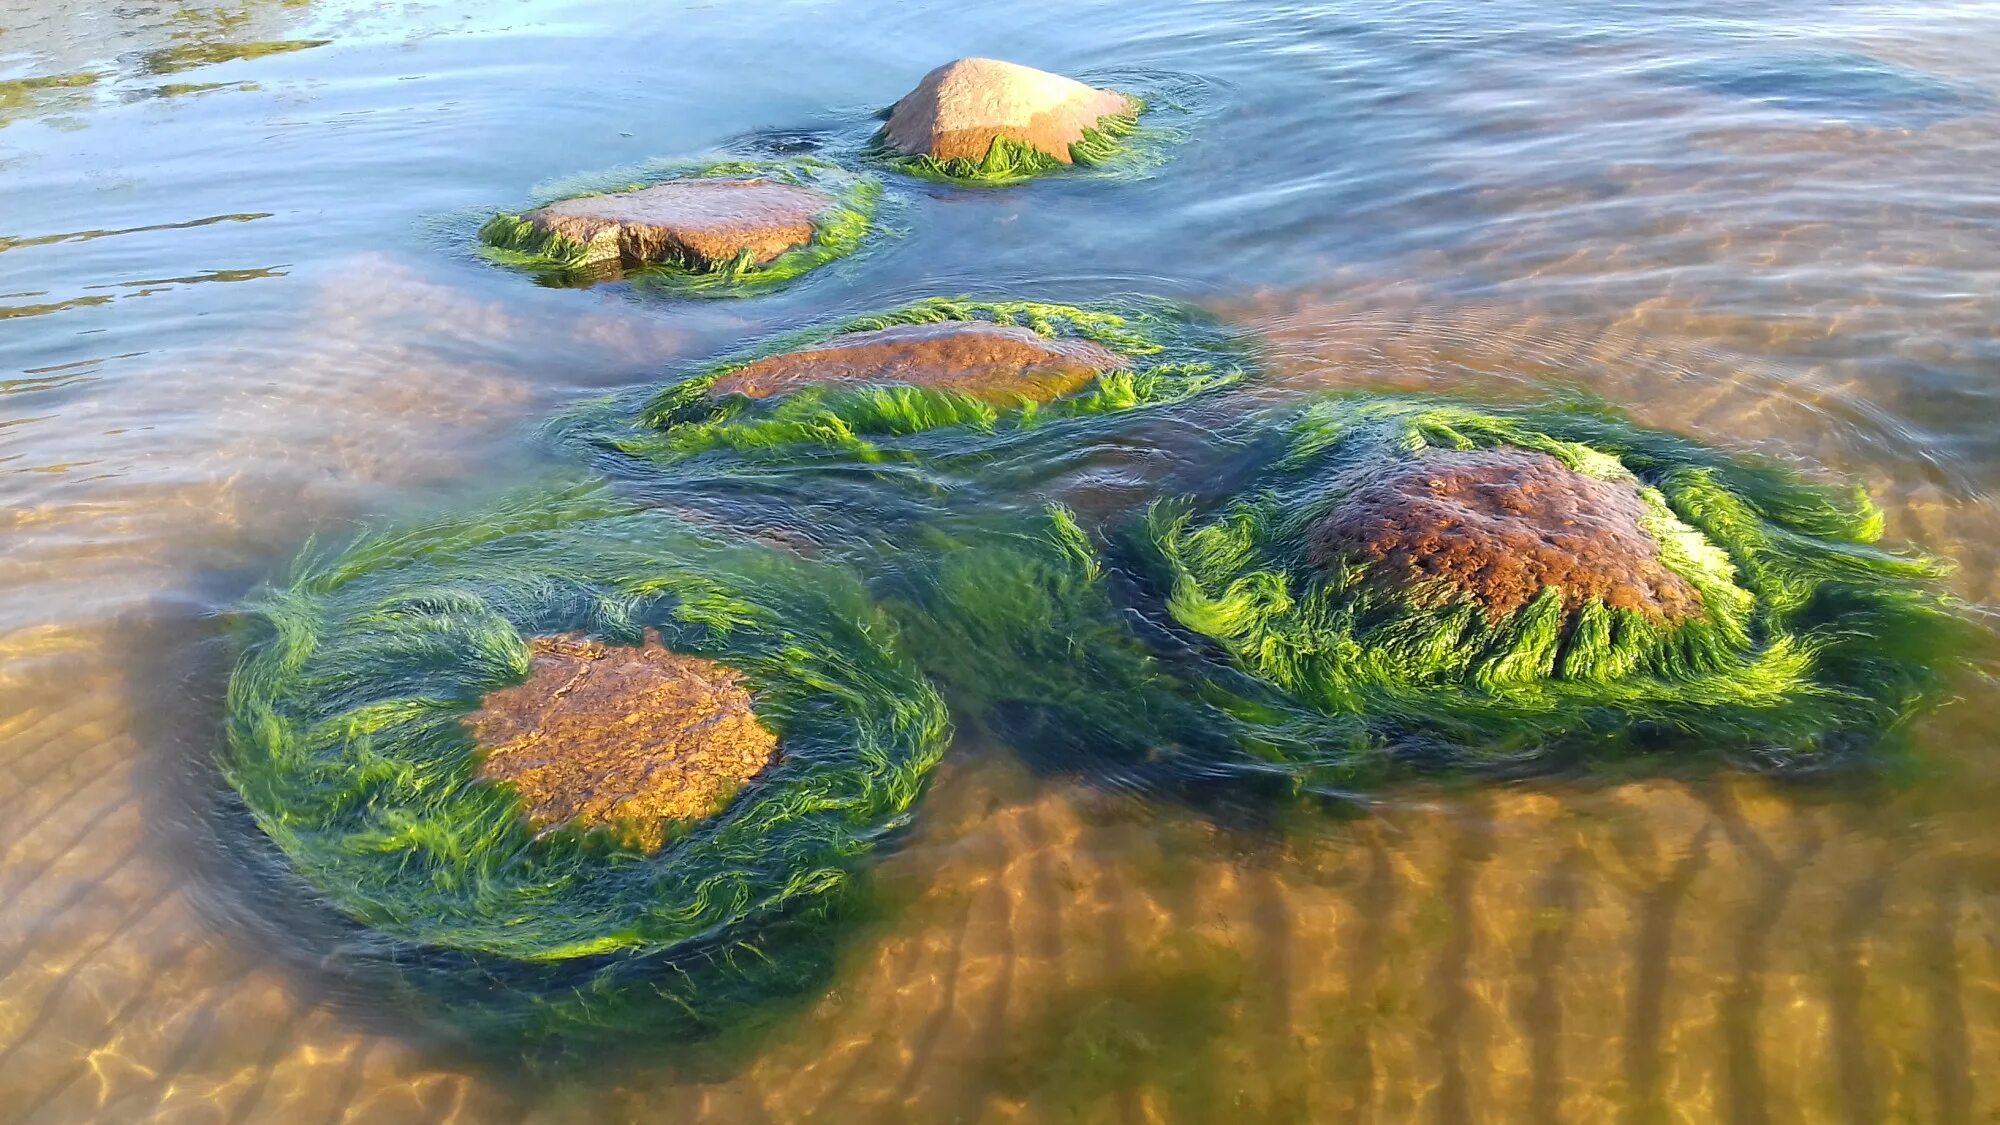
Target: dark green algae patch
1173,353
510,240
347,741
1231,638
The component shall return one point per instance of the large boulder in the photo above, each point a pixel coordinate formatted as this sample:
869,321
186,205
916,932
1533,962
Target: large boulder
631,740
1499,526
961,108
700,223
995,363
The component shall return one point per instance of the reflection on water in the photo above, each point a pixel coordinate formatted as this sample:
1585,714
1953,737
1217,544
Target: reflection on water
1788,250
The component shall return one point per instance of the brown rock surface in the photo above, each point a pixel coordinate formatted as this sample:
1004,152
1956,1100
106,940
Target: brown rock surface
622,738
1502,524
1000,364
958,110
702,223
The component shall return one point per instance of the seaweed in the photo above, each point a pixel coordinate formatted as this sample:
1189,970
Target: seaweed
1176,354
510,240
1812,644
1009,162
347,740
1203,645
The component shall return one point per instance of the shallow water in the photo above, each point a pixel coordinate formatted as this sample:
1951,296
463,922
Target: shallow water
236,312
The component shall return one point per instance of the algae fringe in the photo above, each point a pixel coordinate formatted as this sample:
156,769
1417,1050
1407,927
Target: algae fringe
1009,162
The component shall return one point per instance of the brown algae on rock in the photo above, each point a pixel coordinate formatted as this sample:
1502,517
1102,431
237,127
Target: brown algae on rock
632,740
1500,526
999,364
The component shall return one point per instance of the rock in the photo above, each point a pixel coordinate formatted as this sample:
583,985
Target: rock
959,109
1499,525
626,739
700,223
998,364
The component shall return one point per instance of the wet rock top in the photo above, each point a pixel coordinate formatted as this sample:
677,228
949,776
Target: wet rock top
958,110
704,223
995,363
1500,525
629,739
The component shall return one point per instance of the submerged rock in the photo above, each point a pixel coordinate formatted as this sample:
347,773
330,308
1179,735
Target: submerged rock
700,223
995,363
627,739
961,110
1501,525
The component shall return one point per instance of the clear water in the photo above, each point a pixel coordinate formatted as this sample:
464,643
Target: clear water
236,311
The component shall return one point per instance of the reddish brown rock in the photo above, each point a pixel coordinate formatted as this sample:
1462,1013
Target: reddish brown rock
958,110
699,223
1500,525
626,739
999,364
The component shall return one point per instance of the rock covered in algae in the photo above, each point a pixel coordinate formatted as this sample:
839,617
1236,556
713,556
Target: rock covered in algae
701,223
983,116
994,363
1395,587
1478,584
632,740
725,228
943,366
1500,526
516,734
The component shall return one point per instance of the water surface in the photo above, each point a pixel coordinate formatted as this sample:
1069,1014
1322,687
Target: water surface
237,312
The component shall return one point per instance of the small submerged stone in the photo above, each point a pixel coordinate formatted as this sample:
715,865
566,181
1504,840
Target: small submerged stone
631,740
701,223
963,109
994,363
1500,526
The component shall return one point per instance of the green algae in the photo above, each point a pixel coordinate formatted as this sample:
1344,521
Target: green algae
1175,354
346,740
1812,640
188,56
39,92
510,240
1008,162
1202,643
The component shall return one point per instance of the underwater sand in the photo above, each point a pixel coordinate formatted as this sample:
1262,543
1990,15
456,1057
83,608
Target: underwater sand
235,318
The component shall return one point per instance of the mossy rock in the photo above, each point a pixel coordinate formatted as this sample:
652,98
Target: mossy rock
959,367
989,123
1487,586
728,228
358,712
1402,587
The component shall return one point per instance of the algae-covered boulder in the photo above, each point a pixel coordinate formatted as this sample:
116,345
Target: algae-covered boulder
562,729
1497,586
999,364
983,119
702,224
937,366
1396,587
721,228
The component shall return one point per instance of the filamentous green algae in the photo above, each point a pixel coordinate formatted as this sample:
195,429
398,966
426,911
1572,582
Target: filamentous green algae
1413,586
838,230
1159,354
351,730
